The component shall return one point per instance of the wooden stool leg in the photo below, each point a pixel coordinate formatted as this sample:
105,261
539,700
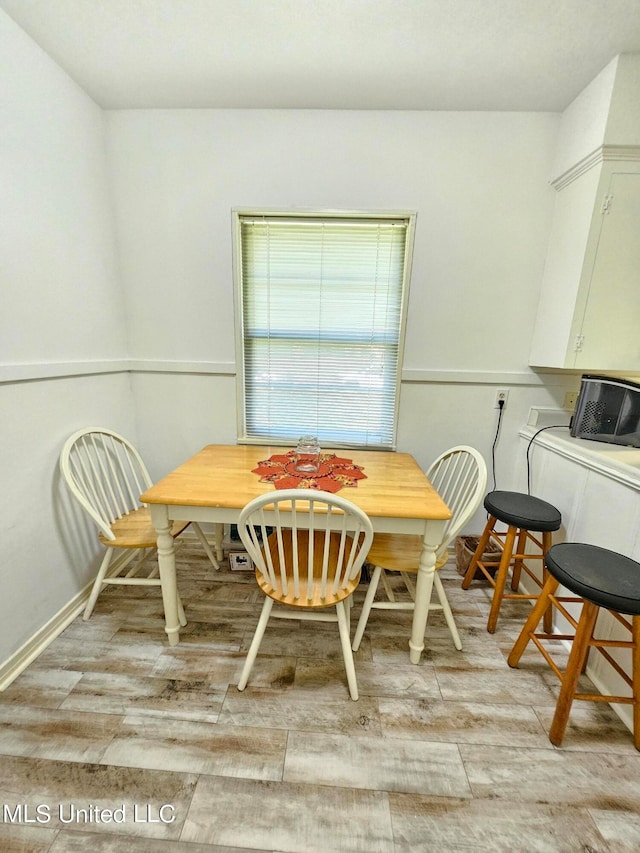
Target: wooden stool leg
529,627
575,664
517,566
635,675
482,547
501,579
548,614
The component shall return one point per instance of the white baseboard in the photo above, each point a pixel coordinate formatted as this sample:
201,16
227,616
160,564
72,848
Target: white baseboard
43,637
35,645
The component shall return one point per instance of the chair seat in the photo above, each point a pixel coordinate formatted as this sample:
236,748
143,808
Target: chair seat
398,552
601,576
316,601
135,530
523,511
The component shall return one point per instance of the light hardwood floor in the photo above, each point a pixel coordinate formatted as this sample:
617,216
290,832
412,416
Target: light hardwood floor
113,741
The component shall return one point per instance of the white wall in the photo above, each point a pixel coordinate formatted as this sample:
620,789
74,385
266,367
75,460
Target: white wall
606,112
479,184
623,122
478,181
62,314
584,122
60,298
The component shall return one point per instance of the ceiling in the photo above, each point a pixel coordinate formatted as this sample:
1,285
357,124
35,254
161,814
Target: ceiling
332,54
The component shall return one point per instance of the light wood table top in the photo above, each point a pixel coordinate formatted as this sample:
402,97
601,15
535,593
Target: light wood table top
221,476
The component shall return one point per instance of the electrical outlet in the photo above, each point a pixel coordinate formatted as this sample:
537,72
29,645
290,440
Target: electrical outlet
570,400
502,396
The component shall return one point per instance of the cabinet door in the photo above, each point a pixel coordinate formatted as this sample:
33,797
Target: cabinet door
610,329
572,240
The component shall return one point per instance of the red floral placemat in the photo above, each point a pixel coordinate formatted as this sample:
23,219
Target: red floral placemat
334,473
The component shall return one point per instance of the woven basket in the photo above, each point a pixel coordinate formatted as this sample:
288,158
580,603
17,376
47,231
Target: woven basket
466,548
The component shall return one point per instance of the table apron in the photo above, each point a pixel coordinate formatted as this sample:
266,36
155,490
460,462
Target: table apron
217,515
227,515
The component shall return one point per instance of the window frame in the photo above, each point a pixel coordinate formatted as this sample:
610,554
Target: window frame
238,214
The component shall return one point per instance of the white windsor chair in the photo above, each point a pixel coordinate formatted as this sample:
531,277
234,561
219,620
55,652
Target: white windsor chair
459,475
309,562
106,475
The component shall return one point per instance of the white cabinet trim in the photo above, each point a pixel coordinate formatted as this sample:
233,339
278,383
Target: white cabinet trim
606,153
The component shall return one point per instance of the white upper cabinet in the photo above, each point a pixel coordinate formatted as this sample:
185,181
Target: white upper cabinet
589,310
610,331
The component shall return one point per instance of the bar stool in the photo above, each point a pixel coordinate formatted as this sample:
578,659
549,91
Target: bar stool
598,578
524,516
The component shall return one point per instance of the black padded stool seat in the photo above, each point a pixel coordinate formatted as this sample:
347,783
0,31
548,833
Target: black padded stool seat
523,511
598,578
604,577
524,516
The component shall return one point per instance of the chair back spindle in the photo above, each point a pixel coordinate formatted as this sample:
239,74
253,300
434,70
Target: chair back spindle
459,476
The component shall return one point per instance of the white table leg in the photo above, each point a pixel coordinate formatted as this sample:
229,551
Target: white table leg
167,567
424,588
219,536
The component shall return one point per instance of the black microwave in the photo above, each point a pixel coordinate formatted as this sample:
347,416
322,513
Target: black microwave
608,409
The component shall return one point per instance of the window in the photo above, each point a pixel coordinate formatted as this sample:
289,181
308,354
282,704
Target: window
321,305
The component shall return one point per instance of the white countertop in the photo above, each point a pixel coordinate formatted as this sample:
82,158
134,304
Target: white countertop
613,460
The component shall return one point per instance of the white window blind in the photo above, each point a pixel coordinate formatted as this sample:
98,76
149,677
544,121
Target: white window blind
322,320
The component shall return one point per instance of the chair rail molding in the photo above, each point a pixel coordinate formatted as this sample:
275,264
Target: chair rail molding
34,371
471,377
208,368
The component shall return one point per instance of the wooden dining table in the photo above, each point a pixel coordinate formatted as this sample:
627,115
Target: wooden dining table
216,483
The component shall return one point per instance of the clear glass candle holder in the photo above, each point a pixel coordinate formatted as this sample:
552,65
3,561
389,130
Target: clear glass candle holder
308,454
